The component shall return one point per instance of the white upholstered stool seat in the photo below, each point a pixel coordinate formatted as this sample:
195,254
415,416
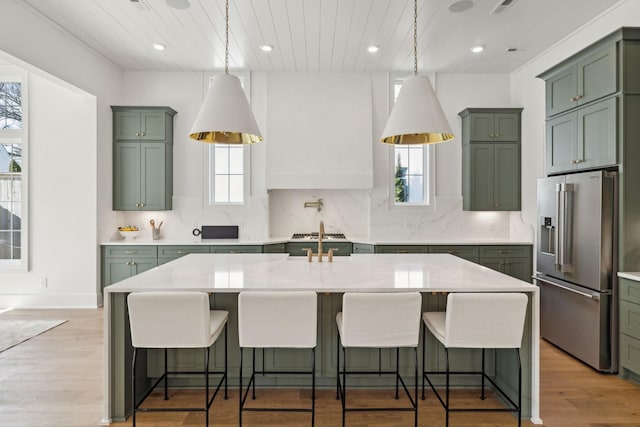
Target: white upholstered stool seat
286,319
378,320
163,320
477,320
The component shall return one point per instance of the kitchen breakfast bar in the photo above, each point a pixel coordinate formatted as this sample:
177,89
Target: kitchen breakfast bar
225,275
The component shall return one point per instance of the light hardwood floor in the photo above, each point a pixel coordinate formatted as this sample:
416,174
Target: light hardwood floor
55,379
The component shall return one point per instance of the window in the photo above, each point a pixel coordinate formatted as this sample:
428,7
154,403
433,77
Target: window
227,166
12,190
411,169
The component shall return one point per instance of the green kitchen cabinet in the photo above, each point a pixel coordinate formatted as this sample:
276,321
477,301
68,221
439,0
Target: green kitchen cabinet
363,248
142,163
402,249
169,253
300,248
143,123
629,328
514,260
122,262
142,176
491,159
588,77
468,252
491,125
274,248
583,139
235,249
491,177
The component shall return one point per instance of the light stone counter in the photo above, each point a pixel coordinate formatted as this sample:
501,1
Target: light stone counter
224,275
362,272
631,275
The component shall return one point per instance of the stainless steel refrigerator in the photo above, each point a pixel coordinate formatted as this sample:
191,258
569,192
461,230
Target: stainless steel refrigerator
577,265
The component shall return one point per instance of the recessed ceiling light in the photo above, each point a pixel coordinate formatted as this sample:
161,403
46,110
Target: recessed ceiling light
460,6
373,49
266,47
477,49
159,46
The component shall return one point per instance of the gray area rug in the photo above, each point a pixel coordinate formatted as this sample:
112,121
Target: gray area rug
13,332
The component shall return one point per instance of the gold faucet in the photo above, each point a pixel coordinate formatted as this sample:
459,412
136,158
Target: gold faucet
320,237
310,253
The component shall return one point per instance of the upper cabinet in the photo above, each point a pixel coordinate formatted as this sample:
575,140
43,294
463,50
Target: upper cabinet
491,159
587,78
590,98
142,158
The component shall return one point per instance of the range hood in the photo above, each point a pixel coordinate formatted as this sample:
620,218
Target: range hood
319,131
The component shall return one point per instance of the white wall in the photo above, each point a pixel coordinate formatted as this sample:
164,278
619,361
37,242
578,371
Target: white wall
528,91
71,89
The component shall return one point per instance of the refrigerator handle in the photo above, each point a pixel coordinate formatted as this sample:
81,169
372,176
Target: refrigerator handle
594,296
559,241
567,226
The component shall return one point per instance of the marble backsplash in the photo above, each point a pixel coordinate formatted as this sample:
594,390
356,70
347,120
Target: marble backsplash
360,213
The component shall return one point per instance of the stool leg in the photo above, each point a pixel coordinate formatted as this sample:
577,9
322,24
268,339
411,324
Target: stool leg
397,370
206,385
240,397
415,395
166,377
133,386
482,385
519,388
253,374
446,358
343,390
313,387
226,395
338,370
424,345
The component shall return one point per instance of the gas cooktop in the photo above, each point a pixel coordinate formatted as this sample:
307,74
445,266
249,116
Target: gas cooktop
311,236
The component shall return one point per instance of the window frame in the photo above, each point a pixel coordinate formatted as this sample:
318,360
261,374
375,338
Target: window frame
21,137
209,175
429,174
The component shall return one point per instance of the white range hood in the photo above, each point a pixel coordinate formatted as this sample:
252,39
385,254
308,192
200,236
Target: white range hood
319,131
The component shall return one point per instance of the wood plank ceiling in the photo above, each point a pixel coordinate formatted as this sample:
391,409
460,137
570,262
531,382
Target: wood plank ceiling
318,35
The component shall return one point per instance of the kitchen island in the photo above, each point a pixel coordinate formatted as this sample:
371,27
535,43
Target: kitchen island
225,275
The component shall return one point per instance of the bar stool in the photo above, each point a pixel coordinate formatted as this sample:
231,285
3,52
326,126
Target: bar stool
378,320
175,320
477,320
277,320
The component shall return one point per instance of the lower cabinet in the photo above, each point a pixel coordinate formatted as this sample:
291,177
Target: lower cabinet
629,328
363,248
516,261
169,253
274,248
470,253
235,249
300,248
122,262
402,249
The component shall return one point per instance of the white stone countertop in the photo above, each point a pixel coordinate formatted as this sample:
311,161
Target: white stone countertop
360,273
631,275
271,240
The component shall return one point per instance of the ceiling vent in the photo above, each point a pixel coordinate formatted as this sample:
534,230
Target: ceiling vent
140,5
502,6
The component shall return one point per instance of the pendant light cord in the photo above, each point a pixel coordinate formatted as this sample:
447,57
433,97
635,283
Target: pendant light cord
415,37
226,39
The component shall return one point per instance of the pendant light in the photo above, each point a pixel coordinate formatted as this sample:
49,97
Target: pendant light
225,116
417,117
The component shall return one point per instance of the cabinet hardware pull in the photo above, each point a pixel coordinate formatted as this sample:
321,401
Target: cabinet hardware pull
133,263
137,133
235,252
137,205
334,249
128,263
492,136
579,97
402,252
142,134
579,161
130,252
182,252
497,135
141,205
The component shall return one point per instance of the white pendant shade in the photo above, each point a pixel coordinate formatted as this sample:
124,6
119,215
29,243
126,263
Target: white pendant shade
225,116
417,117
